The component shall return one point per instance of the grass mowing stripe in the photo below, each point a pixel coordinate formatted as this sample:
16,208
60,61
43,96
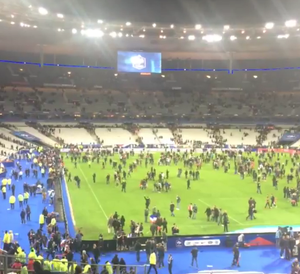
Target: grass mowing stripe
92,191
228,215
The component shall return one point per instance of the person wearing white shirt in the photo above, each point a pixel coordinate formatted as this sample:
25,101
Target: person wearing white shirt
241,240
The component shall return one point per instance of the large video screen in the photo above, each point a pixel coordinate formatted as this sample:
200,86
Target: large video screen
140,62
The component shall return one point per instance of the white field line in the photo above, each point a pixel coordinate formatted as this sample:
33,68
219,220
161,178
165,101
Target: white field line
228,215
70,202
93,192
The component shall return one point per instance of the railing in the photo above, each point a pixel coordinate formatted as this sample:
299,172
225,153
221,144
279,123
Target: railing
8,264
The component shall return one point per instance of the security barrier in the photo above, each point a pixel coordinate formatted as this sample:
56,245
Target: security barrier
12,264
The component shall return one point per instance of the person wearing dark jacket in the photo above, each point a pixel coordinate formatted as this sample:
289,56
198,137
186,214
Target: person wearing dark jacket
115,262
122,266
137,249
38,268
96,253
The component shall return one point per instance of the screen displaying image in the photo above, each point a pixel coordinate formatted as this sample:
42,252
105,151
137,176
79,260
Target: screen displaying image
140,62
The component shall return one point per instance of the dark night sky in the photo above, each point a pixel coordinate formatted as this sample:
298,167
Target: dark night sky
206,12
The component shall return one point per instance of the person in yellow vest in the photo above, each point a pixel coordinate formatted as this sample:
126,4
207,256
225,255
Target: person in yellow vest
40,259
4,182
72,268
152,261
40,165
86,268
12,201
108,267
20,199
47,265
32,255
24,270
6,241
64,265
26,197
20,255
41,220
56,264
4,192
53,222
9,183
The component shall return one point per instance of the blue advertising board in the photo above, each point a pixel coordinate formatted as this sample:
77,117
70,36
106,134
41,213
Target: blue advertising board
226,240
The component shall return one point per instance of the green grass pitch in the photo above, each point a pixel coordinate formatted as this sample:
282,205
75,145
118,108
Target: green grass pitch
93,203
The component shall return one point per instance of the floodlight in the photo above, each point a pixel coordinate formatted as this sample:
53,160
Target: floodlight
212,38
242,32
69,72
94,33
191,37
43,11
120,34
116,74
258,37
141,36
144,30
12,16
291,23
154,25
22,24
226,27
162,31
35,27
59,15
100,21
269,25
172,26
283,36
208,76
128,24
248,37
255,76
163,76
198,26
74,31
12,23
113,34
127,34
232,38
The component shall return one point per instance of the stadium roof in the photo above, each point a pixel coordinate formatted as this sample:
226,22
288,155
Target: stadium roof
166,25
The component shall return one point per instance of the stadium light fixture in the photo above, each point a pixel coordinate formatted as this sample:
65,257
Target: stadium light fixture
255,76
198,26
12,16
43,11
116,74
226,27
163,76
283,36
127,34
248,38
184,31
258,37
113,34
232,38
100,21
208,76
269,25
35,27
69,72
141,36
59,15
162,31
74,31
182,37
94,33
264,31
172,26
291,23
22,25
128,24
191,37
242,32
12,23
154,25
144,30
59,30
120,34
212,38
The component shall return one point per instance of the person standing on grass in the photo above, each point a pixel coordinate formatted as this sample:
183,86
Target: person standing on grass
170,263
225,221
152,260
178,201
94,178
194,253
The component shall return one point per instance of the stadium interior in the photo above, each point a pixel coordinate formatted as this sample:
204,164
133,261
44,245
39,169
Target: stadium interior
83,90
